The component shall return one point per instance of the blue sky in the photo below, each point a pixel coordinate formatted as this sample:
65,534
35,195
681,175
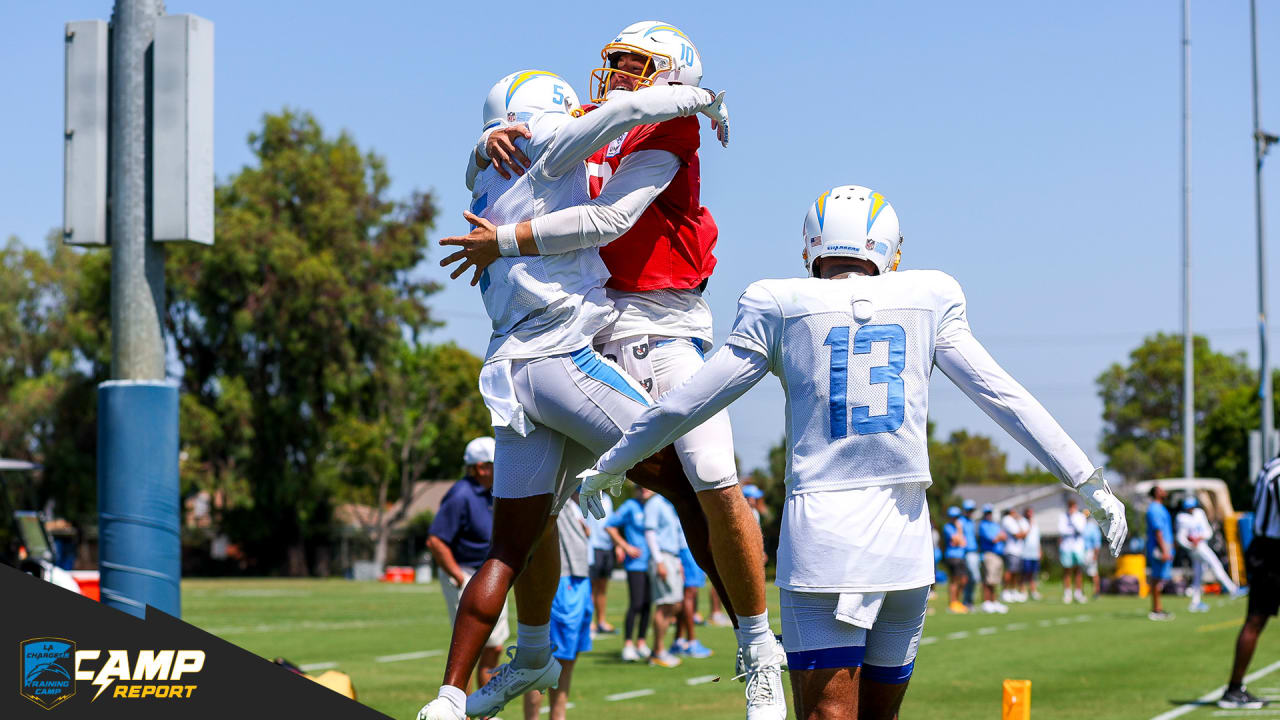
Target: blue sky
1030,149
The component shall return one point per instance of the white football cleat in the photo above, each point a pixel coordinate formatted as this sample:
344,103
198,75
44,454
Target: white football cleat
763,670
509,683
440,709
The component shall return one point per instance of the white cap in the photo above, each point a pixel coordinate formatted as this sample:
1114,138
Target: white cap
479,451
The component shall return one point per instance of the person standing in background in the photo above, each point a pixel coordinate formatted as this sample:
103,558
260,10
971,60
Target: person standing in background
972,558
666,578
1092,551
459,542
626,527
605,556
687,642
953,538
1031,554
1193,533
1159,551
991,540
1071,551
1015,531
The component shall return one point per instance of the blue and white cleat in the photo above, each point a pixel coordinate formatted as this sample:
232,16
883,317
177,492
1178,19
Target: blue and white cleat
509,683
697,650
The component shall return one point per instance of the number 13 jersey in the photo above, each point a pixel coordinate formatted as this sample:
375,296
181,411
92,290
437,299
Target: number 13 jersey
854,356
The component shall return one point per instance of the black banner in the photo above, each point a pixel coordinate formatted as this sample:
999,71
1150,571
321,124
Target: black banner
69,657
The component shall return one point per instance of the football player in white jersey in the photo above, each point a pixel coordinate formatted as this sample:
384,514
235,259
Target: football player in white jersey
854,346
659,252
555,402
1193,532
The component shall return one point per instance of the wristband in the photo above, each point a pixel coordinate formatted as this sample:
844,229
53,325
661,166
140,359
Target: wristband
507,245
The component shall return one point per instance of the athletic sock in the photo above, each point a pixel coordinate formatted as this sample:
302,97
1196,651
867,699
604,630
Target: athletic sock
533,645
753,629
456,697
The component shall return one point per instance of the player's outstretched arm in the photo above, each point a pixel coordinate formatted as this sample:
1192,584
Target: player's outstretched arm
729,373
578,140
963,359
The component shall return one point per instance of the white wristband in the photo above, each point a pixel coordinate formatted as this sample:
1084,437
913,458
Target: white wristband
507,245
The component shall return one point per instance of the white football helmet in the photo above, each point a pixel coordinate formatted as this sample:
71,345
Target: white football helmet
673,59
520,95
852,221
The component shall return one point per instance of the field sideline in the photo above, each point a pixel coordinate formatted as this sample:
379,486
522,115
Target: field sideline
1100,661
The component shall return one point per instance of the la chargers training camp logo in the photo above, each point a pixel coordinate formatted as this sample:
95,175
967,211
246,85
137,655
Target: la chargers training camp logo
48,667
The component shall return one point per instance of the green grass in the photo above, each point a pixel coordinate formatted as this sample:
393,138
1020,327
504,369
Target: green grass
1114,664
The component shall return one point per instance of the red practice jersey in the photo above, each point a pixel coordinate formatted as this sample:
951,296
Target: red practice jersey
670,246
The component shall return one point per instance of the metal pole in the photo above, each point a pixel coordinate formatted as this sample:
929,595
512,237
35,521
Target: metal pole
1188,341
137,265
1260,145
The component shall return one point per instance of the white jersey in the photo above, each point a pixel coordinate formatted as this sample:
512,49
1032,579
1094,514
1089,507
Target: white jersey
1031,543
1192,524
1013,526
1071,528
854,356
554,304
549,304
540,305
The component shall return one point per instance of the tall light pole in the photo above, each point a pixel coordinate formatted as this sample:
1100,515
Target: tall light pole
1188,342
1261,143
138,136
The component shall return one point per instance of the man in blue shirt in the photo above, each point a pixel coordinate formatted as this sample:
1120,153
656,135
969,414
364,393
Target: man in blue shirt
1159,550
626,527
991,540
459,541
954,542
972,558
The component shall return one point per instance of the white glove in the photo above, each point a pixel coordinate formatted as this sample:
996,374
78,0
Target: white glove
719,114
594,481
1106,509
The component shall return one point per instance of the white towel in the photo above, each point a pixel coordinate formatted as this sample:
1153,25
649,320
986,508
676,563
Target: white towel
499,393
859,609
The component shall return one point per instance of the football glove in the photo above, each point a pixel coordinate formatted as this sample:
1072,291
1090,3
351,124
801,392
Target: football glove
593,482
719,114
1106,509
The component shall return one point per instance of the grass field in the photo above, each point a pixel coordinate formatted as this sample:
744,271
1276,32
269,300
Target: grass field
1101,660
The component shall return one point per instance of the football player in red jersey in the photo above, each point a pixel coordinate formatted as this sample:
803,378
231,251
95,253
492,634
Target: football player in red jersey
657,242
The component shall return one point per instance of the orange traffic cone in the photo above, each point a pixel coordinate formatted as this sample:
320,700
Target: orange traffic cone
1017,700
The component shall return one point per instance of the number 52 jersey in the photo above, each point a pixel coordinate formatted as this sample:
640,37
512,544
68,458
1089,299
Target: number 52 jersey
855,355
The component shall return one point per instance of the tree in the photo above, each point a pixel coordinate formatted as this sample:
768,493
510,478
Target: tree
1142,409
414,421
53,327
307,290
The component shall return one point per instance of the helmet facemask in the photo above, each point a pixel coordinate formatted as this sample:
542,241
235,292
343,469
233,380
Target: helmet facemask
602,77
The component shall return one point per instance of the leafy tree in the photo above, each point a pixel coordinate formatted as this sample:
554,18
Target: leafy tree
414,421
1142,410
307,290
53,328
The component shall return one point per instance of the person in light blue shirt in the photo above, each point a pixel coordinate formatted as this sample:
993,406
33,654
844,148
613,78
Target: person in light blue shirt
605,556
972,558
1092,551
626,527
991,540
666,576
1159,550
954,548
